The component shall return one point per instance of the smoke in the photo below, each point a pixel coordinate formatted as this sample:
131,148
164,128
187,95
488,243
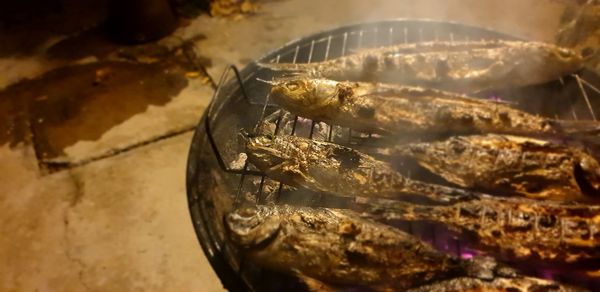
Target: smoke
535,19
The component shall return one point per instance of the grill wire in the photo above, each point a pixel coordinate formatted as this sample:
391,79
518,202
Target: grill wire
339,44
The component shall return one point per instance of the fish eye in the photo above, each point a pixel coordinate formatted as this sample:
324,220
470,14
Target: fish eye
564,53
590,167
586,164
293,86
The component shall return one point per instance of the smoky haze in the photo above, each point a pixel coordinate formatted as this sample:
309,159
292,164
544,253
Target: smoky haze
535,19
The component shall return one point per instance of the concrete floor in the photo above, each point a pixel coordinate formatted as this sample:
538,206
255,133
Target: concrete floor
94,138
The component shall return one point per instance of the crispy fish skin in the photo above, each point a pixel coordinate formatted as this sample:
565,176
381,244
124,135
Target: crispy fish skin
400,110
337,247
519,228
458,66
535,168
520,284
335,169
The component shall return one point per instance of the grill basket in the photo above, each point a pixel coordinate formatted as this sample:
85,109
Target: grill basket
219,178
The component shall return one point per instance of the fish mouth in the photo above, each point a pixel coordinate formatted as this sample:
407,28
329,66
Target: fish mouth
263,152
250,230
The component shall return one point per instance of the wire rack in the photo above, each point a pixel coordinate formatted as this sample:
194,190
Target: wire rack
572,97
320,49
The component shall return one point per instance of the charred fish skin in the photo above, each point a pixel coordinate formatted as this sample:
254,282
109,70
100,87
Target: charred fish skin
518,228
334,169
517,284
534,168
400,110
336,247
465,66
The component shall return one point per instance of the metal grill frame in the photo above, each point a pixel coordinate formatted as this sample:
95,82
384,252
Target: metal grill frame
231,278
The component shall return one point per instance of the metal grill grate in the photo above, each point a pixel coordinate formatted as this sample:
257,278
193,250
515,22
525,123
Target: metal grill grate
576,91
320,49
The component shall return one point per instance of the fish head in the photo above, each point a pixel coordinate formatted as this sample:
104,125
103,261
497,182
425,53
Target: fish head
541,62
253,226
566,54
267,151
308,96
563,59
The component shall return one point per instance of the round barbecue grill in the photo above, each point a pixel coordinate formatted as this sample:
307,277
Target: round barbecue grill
219,178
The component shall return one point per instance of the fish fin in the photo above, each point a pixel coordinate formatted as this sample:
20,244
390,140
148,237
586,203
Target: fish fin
290,68
315,285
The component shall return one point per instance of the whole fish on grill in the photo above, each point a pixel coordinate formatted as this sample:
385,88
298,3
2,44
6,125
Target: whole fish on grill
336,246
534,168
403,110
522,284
340,248
518,228
458,66
335,169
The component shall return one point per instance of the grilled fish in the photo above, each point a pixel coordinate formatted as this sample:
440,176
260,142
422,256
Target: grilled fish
517,284
457,66
518,228
340,248
402,110
334,169
336,246
534,168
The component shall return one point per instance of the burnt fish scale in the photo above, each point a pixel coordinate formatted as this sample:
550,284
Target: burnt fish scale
529,167
403,110
521,228
338,247
460,66
330,168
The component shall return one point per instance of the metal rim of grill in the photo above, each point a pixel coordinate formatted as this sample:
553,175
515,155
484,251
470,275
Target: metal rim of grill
241,101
